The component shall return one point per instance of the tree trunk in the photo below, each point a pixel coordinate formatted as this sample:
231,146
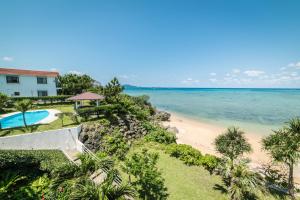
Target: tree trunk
24,120
291,180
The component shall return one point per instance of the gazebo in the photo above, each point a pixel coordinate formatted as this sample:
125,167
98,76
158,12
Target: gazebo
85,96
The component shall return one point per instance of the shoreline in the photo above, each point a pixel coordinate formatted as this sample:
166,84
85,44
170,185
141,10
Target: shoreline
201,135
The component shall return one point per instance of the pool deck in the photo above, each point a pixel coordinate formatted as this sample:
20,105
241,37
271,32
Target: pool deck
50,118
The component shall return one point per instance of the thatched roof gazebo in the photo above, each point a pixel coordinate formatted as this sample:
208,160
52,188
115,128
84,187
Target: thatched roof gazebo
86,96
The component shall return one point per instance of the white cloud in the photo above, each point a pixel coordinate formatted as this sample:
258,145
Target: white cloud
253,73
294,74
287,76
7,58
236,71
75,72
213,74
295,65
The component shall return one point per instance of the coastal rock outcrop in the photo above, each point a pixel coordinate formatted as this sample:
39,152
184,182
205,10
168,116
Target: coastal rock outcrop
162,116
93,132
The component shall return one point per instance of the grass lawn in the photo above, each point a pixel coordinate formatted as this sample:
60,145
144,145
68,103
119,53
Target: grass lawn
43,127
186,182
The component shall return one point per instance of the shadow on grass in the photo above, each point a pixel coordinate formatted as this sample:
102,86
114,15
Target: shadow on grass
31,129
220,188
6,132
278,193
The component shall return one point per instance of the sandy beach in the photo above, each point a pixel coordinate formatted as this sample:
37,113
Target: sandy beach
201,136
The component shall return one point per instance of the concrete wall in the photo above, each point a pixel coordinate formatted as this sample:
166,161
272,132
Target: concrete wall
63,139
27,86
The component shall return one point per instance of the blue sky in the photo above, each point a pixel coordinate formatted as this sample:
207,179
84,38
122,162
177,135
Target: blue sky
213,43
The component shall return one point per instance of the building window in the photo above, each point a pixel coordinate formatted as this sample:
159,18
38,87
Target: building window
42,93
12,79
41,80
16,93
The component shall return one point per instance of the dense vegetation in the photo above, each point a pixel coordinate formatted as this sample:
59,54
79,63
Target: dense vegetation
126,135
26,174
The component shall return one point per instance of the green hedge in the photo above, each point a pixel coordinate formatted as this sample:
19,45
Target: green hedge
103,109
45,159
60,98
192,156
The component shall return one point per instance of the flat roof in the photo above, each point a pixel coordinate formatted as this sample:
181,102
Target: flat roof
11,71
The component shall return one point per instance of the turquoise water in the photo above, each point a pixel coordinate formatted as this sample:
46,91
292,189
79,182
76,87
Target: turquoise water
255,110
16,120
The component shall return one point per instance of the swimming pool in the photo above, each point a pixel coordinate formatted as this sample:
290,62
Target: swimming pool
16,120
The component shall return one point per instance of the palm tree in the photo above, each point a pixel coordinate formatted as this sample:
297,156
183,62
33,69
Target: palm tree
71,180
232,145
107,190
284,146
23,106
62,115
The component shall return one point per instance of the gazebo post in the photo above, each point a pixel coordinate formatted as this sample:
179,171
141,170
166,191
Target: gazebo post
76,105
79,99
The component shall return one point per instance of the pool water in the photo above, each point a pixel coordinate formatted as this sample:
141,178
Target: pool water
16,120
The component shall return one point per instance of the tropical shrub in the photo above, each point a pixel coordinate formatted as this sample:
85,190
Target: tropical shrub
244,183
44,159
24,174
210,162
106,110
186,153
41,185
148,181
115,145
3,101
158,134
8,184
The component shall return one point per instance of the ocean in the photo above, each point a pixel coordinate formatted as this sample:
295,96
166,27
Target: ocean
253,110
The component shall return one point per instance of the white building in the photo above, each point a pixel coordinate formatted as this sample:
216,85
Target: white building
28,83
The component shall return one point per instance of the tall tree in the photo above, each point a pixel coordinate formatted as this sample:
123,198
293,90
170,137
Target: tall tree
112,90
232,145
72,84
148,180
23,106
284,146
